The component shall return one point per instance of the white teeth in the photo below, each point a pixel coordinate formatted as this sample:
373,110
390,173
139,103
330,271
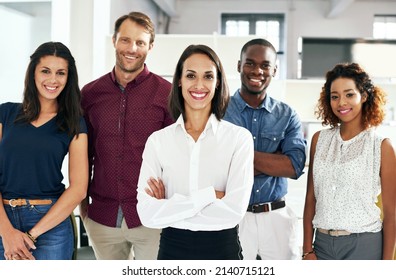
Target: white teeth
344,111
198,95
130,57
255,80
50,88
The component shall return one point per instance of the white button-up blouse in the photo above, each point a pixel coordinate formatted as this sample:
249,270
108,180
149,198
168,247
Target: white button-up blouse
221,159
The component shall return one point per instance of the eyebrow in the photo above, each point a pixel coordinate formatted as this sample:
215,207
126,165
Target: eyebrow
347,90
46,67
206,72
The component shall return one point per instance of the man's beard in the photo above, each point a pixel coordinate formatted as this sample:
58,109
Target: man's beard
123,68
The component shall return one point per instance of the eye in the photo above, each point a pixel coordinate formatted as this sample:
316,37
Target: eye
349,95
266,66
190,76
140,43
209,77
61,73
333,97
249,64
45,71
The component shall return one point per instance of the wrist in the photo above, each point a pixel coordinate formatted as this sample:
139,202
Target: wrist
31,237
305,254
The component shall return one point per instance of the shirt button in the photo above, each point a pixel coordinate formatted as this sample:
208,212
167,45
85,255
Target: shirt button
274,138
255,120
254,137
257,191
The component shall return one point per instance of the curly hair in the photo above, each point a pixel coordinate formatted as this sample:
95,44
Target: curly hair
373,110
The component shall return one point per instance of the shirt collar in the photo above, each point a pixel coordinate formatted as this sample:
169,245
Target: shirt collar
213,123
139,78
241,104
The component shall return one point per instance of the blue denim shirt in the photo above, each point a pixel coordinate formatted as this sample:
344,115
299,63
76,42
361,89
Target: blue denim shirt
275,127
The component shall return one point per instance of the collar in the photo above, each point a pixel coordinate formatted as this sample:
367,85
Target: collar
241,104
139,78
213,123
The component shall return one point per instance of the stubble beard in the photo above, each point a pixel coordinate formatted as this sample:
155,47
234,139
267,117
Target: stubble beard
131,69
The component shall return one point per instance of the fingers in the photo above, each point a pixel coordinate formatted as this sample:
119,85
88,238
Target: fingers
156,188
220,194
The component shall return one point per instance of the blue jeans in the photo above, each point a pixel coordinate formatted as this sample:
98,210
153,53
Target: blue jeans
55,244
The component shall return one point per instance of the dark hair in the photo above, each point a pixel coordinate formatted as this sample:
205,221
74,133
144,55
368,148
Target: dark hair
140,19
221,96
373,111
69,100
258,41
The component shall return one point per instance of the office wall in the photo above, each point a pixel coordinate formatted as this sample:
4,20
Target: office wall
304,18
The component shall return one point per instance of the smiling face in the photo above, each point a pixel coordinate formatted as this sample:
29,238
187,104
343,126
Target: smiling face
198,82
257,67
346,101
132,45
50,77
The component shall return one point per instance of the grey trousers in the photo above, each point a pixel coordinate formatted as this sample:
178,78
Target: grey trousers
357,246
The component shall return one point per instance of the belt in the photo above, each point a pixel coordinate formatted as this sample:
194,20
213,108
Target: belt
21,202
266,207
333,232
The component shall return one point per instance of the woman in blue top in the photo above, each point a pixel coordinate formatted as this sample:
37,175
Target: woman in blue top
35,137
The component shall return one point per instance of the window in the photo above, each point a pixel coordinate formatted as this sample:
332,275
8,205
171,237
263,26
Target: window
268,26
384,27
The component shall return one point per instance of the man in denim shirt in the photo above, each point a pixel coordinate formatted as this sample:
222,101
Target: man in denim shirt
269,228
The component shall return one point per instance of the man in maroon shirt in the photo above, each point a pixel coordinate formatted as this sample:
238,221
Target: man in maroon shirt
122,108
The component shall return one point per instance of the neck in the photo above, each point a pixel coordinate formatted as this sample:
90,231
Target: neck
49,107
348,131
254,100
195,123
123,77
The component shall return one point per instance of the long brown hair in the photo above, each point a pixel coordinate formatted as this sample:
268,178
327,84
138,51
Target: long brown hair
69,100
222,95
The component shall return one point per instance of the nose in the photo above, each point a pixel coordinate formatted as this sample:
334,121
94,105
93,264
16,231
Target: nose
53,78
342,101
133,47
199,84
258,70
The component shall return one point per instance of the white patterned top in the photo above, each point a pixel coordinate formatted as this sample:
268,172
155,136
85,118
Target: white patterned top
346,176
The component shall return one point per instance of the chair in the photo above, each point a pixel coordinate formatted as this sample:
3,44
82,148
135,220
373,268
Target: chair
82,249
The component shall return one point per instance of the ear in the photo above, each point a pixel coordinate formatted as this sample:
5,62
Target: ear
151,46
239,66
364,97
114,40
275,70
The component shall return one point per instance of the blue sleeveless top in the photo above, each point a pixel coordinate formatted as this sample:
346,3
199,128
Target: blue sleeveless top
31,157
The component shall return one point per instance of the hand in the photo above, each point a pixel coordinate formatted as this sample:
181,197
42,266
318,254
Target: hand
17,246
311,256
83,208
156,188
219,194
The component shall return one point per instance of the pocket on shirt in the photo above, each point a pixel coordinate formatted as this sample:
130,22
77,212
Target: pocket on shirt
269,141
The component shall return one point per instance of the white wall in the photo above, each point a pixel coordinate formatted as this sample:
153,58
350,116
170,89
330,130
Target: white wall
18,42
304,18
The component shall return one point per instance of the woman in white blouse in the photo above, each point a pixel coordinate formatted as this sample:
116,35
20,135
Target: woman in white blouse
350,165
197,174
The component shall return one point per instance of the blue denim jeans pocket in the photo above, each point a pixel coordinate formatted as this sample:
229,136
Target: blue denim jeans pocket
55,244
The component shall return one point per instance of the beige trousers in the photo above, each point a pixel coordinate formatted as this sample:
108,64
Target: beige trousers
110,243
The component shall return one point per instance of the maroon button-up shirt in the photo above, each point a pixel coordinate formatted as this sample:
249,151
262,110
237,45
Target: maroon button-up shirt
119,123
